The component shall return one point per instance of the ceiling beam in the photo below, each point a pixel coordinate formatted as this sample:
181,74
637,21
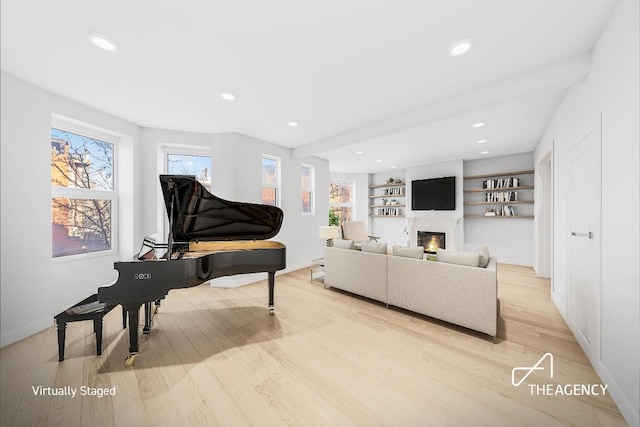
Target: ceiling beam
554,76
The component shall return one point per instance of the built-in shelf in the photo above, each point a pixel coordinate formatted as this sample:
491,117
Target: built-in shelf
499,216
485,190
513,202
500,174
498,188
390,191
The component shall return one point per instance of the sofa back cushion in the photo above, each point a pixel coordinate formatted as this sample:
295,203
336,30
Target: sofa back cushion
343,244
376,248
484,256
471,259
417,253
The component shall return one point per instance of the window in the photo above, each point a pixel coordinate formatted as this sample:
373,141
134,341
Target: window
191,164
307,189
341,196
270,180
83,193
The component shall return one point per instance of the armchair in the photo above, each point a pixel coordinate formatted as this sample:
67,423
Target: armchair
357,231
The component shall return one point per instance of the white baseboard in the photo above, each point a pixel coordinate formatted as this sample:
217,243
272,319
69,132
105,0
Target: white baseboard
522,262
561,308
625,406
10,337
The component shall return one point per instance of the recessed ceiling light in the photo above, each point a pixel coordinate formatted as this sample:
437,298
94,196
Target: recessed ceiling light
378,160
460,47
293,124
482,141
103,42
484,152
359,152
228,96
393,166
478,125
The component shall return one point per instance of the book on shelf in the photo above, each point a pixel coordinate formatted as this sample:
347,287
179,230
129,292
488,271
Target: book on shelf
393,191
388,211
492,184
501,196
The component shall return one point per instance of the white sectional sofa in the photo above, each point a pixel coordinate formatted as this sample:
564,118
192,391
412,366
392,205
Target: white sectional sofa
460,294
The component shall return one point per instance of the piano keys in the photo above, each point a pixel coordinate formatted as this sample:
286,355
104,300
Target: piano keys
209,237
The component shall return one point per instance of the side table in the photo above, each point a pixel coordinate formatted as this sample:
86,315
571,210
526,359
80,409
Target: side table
316,265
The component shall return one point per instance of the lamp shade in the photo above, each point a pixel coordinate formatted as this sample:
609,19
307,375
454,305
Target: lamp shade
329,232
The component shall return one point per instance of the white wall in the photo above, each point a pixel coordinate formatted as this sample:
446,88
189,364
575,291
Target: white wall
508,239
611,89
299,232
32,287
237,175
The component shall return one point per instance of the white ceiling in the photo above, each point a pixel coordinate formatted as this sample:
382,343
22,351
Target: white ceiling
372,75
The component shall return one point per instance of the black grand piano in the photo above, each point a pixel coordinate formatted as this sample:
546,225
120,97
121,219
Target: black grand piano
209,237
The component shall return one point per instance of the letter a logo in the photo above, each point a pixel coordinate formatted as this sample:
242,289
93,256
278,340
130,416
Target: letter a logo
529,369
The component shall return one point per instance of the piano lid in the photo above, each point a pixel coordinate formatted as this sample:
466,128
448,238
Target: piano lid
199,215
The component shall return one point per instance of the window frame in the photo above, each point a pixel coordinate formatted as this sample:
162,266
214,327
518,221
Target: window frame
352,204
83,129
170,150
310,190
277,186
164,150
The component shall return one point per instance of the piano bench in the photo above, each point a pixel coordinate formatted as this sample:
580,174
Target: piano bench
87,309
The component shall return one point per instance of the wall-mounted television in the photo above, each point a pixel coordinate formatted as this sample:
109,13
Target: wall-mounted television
436,194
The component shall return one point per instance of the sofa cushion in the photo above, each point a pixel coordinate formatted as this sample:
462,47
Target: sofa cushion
483,252
470,259
417,253
343,244
377,248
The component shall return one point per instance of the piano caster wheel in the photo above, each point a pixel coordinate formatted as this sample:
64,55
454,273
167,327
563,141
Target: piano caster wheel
272,311
128,362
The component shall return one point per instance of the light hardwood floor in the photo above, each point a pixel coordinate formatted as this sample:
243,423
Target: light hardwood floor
216,357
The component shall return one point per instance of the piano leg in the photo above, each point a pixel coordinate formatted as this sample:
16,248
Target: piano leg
133,309
62,328
272,281
148,318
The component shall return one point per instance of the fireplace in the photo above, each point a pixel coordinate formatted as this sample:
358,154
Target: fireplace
431,241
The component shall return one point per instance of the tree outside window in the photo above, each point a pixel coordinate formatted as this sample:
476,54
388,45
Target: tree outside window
83,196
341,197
191,164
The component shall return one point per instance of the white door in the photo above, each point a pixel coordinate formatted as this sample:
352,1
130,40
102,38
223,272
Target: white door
584,226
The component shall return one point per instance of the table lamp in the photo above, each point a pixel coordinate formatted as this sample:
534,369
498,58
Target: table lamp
329,232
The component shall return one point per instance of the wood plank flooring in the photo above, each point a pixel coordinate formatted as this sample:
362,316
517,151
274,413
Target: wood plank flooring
216,357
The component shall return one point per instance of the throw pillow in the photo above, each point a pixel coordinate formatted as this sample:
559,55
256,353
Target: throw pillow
402,251
343,244
484,256
378,248
470,259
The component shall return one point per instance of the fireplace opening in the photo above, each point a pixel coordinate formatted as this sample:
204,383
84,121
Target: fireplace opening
431,241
